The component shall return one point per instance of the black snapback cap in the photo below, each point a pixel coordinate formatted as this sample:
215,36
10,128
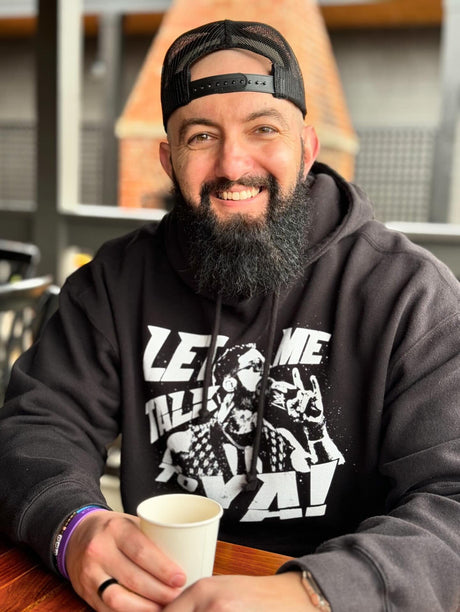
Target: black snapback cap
285,80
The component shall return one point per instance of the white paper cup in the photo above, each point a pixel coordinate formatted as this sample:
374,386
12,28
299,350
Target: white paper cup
185,528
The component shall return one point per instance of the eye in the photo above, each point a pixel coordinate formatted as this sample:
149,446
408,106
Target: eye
266,130
199,139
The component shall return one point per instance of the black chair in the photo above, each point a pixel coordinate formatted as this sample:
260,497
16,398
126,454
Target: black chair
18,260
35,300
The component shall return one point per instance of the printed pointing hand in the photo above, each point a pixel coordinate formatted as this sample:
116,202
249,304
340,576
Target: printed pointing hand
301,404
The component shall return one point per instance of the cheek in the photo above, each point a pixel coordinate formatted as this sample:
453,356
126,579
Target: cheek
191,172
180,165
283,162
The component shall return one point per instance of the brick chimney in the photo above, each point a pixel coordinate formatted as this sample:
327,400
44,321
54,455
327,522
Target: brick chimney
143,182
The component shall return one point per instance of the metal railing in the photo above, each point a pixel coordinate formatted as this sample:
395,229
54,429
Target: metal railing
18,163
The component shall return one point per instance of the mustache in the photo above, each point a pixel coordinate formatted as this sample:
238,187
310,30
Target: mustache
267,182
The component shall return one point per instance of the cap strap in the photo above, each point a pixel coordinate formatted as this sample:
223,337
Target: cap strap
226,83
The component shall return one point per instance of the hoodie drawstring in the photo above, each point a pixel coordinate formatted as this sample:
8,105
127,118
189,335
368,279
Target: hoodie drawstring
211,352
251,477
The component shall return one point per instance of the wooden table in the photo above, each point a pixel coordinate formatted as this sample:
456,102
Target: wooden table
25,584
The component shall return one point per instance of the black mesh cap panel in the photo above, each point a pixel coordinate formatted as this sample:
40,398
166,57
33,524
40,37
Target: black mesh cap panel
285,82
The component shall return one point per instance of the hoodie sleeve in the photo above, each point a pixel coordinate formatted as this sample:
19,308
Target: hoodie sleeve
60,413
409,558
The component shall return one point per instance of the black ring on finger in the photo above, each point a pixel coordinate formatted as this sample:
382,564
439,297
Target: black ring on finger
106,584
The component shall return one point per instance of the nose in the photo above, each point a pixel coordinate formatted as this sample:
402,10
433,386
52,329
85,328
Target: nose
234,160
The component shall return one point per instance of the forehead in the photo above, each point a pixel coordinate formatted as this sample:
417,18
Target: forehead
251,358
228,61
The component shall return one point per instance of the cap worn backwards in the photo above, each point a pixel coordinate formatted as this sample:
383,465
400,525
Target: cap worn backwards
178,90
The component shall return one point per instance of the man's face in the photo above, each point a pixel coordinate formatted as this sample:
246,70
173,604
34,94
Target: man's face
233,143
249,372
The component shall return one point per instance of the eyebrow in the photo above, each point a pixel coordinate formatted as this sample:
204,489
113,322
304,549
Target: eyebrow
267,112
194,121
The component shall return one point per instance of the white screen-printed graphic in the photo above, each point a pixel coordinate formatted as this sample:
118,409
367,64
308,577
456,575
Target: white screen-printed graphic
209,448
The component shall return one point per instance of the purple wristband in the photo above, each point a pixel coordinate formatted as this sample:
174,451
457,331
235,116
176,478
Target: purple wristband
80,515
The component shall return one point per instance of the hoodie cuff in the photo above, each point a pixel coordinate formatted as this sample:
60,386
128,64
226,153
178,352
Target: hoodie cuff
49,510
346,579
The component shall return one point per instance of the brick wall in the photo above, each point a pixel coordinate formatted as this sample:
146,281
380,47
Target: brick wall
142,180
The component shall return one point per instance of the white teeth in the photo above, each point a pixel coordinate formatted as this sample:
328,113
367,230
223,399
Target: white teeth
239,195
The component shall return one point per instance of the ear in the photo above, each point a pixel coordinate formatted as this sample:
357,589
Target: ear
165,158
310,146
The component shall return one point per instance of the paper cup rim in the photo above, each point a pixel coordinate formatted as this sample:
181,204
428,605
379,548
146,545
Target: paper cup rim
179,525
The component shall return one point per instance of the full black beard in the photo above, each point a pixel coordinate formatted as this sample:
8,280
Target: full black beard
243,257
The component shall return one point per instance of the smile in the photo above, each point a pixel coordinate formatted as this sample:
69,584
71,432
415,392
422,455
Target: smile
239,195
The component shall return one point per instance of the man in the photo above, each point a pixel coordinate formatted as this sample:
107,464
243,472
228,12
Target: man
269,280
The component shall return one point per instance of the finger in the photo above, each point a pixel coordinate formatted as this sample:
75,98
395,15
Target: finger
297,379
112,596
185,602
137,580
105,585
119,599
122,540
143,554
315,385
107,553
